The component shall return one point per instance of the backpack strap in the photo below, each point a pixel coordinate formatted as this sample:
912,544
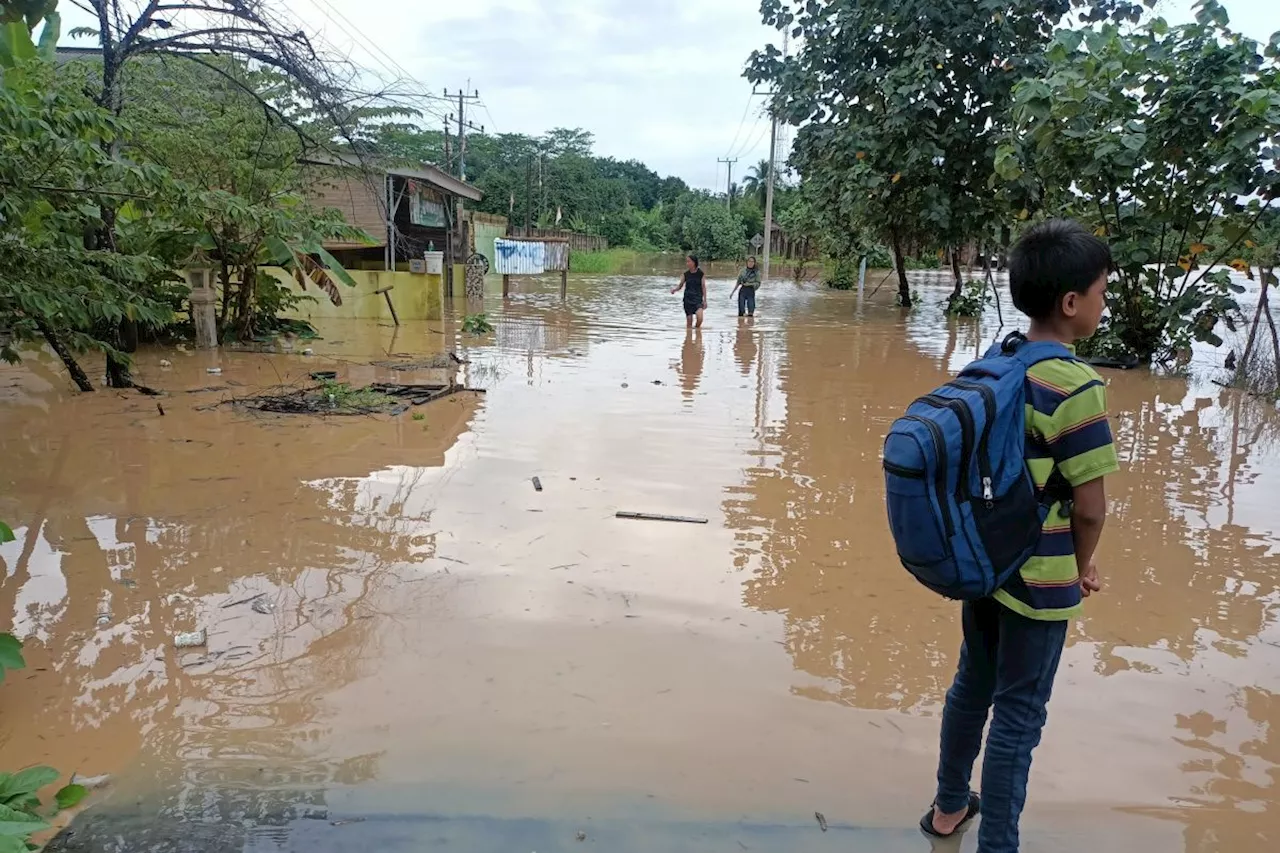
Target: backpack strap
1033,352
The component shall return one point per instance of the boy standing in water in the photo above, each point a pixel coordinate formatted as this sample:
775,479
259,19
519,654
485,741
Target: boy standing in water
748,281
1013,640
694,284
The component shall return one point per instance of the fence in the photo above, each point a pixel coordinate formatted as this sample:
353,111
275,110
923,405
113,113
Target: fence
577,242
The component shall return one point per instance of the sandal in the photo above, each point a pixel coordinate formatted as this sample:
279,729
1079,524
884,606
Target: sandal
926,822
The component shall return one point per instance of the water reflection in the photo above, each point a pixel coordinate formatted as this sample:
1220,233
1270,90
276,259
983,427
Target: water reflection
250,529
692,355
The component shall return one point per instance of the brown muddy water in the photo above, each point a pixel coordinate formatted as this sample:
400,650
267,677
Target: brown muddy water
442,657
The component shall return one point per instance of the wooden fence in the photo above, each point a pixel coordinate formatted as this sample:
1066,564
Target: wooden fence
577,242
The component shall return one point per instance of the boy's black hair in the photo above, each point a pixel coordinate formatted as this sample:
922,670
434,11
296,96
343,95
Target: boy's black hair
1051,260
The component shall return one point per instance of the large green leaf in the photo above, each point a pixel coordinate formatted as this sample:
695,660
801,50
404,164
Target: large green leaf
48,46
10,654
16,824
27,782
336,268
6,533
15,45
70,795
12,844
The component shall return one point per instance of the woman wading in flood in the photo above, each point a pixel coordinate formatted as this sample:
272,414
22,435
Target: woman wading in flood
694,284
748,281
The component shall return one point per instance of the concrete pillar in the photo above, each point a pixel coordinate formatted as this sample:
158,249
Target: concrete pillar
203,313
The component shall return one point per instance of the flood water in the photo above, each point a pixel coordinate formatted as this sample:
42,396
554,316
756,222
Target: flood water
443,657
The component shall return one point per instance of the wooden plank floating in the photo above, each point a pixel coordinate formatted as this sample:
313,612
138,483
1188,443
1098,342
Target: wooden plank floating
537,484
653,516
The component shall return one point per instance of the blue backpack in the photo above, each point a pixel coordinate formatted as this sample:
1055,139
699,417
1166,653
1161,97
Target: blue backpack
962,506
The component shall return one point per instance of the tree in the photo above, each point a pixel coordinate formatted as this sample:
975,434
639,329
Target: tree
57,171
1160,138
245,30
200,124
711,232
900,104
756,182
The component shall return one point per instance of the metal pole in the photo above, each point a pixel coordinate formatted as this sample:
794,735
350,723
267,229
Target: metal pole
768,198
862,275
462,138
528,197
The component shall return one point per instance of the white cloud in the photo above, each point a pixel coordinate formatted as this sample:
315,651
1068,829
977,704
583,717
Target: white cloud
655,80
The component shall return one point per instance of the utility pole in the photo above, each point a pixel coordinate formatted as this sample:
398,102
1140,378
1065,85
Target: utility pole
463,124
445,164
768,193
728,189
528,195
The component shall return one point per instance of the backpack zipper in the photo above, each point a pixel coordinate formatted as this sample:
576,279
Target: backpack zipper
939,481
967,430
902,471
989,402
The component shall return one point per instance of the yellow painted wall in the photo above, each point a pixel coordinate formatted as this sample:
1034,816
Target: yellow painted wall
416,297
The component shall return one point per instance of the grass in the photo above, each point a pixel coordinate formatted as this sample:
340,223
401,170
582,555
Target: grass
476,324
342,396
608,261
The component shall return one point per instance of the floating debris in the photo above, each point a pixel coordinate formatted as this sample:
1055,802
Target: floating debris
440,361
263,605
192,640
213,371
822,821
653,516
340,398
321,375
537,484
90,782
164,362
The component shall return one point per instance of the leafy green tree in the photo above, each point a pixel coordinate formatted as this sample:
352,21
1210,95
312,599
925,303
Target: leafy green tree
901,103
203,126
57,171
756,182
711,231
1165,139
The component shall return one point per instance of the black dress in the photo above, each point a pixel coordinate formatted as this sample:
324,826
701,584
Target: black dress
694,292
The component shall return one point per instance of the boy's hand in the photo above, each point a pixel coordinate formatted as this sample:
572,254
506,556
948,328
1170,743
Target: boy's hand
1089,582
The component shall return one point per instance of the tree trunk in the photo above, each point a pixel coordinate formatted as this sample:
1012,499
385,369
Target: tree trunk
959,279
244,306
904,287
1003,259
224,279
73,367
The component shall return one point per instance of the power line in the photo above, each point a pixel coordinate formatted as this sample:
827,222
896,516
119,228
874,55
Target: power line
374,51
747,149
738,132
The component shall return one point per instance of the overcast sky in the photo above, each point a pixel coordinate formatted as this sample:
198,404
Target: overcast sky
655,80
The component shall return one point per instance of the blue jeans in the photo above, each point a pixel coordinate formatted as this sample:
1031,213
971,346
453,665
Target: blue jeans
1007,661
746,301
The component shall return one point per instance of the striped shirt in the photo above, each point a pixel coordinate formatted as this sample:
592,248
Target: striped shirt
1067,432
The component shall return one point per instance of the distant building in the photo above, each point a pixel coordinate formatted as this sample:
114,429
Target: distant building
405,209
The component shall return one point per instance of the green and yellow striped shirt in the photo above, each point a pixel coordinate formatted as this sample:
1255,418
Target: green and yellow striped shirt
1068,432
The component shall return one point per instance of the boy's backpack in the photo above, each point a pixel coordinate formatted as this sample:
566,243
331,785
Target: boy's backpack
962,506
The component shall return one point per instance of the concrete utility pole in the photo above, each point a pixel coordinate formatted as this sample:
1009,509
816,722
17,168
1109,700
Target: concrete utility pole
728,189
768,193
463,124
768,199
528,195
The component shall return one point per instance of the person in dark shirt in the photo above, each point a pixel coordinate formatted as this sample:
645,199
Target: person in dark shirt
694,284
748,281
